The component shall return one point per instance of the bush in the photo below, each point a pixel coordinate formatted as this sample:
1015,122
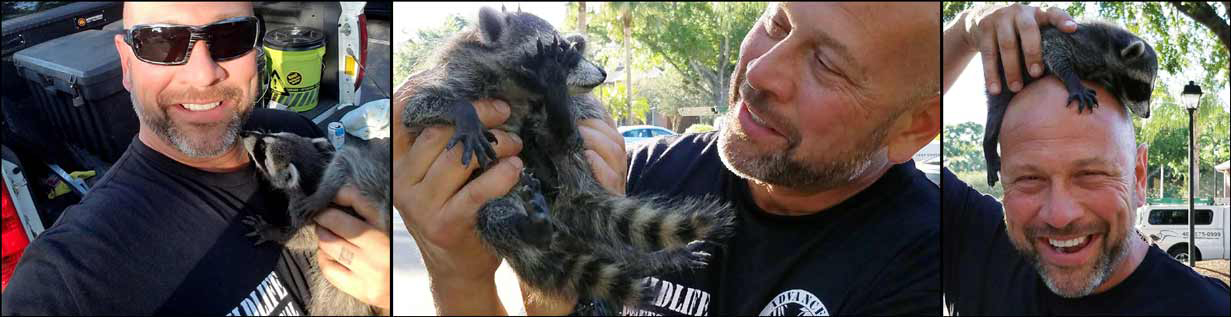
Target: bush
978,181
699,128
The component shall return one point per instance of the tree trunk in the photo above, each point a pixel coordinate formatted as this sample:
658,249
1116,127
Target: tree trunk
581,17
628,64
1205,15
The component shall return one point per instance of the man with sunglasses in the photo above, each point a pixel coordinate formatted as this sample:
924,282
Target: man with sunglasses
162,231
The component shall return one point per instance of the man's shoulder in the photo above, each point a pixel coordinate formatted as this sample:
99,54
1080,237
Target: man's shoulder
271,120
1186,283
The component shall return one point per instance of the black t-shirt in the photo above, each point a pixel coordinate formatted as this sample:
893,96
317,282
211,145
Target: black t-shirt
985,275
875,253
155,236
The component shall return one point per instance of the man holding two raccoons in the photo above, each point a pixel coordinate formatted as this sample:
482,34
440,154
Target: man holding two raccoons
815,156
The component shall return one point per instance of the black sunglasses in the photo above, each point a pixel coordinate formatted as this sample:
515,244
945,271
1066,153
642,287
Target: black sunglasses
171,44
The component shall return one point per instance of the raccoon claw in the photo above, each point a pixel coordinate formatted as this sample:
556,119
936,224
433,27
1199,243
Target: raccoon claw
473,144
698,259
1085,99
260,229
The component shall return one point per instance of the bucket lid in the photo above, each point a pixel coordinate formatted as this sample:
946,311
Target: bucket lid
295,38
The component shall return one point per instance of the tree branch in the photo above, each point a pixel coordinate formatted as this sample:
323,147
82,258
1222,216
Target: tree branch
1204,14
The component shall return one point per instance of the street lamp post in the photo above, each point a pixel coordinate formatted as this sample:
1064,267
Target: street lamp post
1191,97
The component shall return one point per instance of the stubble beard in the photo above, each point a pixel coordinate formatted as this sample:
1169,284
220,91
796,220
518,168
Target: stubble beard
195,139
783,168
1081,281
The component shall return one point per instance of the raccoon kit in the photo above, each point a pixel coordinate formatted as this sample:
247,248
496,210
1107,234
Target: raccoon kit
311,173
559,229
1098,51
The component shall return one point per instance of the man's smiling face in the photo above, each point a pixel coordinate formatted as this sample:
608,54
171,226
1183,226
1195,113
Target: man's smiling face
1072,183
198,107
817,87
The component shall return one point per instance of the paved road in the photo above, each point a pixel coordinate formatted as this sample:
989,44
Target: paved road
411,295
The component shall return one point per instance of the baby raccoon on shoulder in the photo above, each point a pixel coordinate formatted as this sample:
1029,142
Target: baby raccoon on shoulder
310,172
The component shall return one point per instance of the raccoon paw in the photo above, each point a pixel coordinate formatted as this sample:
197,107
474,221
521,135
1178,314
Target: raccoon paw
1085,99
476,141
547,68
697,259
261,230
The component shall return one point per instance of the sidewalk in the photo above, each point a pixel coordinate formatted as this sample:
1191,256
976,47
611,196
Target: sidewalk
411,294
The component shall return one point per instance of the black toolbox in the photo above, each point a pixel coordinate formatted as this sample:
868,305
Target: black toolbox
76,81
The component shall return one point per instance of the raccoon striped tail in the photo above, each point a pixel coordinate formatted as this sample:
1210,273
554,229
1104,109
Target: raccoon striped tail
597,276
645,224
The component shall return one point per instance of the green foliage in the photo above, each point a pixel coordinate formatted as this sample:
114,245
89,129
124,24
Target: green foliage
410,55
1187,50
962,146
698,128
978,181
700,40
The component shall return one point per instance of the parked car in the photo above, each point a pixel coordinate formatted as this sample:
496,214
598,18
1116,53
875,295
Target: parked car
642,133
1167,227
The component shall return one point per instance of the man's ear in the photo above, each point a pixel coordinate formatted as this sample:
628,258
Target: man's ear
1139,170
125,56
914,130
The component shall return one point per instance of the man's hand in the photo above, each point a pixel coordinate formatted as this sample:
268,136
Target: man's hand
439,206
353,253
605,152
994,31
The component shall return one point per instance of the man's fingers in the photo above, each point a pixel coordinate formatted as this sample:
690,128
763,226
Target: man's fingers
610,179
1058,18
428,145
987,51
610,151
1006,38
606,127
1028,30
492,112
348,195
494,182
447,173
346,226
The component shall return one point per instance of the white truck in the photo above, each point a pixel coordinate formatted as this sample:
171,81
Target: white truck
1167,227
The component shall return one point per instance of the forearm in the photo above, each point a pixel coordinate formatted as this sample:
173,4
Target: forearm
457,296
537,304
956,52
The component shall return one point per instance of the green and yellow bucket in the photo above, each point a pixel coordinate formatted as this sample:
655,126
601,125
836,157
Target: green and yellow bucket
296,56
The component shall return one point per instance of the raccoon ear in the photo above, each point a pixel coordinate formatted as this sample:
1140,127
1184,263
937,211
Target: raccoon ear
491,25
579,42
1133,50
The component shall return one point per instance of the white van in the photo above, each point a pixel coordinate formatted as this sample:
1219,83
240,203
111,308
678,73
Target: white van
1167,227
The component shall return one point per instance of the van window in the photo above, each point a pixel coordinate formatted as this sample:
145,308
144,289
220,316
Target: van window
1179,216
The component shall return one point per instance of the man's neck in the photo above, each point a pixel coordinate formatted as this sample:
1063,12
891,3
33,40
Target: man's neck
232,160
780,200
1137,249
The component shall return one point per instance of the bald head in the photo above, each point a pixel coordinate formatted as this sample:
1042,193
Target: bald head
187,13
1041,112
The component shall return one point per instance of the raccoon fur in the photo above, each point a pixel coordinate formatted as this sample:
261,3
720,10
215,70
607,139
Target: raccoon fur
311,173
1098,51
559,229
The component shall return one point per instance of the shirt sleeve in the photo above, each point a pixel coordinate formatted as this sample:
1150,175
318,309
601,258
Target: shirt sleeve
37,286
968,218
